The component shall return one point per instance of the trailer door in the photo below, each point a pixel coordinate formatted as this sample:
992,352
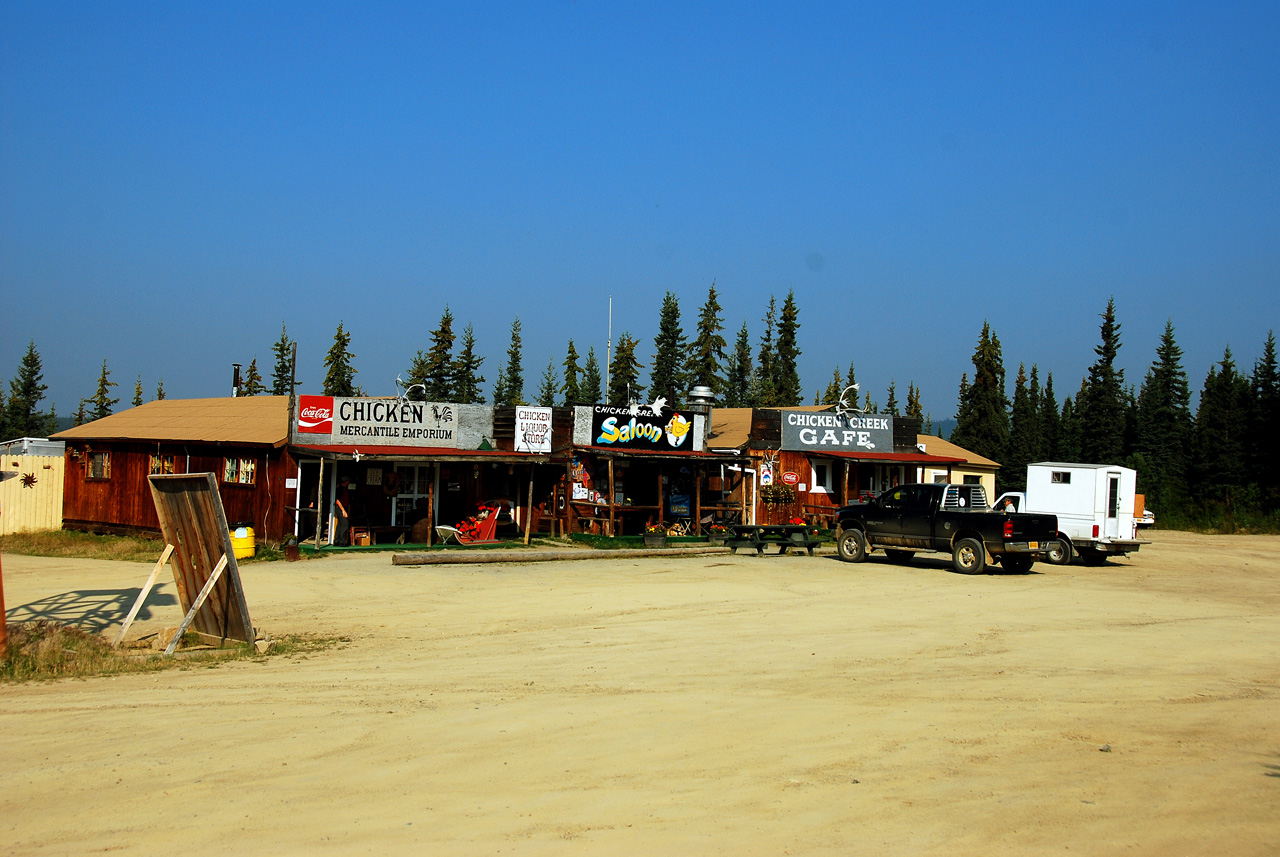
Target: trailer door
1112,528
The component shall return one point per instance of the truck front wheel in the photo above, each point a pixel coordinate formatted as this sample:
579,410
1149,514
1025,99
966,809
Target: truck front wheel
969,556
852,546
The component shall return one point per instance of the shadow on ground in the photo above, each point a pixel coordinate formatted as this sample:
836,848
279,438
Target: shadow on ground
93,610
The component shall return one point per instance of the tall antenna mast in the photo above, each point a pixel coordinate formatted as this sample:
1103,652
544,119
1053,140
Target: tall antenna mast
608,349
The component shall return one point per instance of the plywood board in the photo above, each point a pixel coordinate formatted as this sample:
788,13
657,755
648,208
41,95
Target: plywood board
192,520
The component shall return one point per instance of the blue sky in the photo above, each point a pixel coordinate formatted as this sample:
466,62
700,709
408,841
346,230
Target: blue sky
178,179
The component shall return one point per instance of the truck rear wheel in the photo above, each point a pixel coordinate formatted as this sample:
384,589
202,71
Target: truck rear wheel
1061,554
969,556
852,546
1093,556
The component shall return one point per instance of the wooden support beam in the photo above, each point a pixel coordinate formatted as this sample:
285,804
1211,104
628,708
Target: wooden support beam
197,604
142,596
612,497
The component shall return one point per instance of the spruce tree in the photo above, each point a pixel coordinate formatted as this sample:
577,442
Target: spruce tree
252,385
81,416
787,373
982,421
137,392
415,384
708,353
159,390
549,387
763,388
439,367
282,372
737,382
891,403
1264,452
1163,434
1050,422
571,388
831,396
102,401
1037,448
1101,411
1220,459
666,378
1024,429
590,386
467,380
914,409
339,375
511,376
624,374
20,414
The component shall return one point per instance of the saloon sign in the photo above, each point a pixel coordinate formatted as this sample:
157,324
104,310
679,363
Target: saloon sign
643,427
377,422
826,431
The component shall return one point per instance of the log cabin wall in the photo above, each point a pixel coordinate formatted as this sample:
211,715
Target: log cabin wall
120,501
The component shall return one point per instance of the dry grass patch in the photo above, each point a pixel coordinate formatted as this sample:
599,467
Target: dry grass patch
44,650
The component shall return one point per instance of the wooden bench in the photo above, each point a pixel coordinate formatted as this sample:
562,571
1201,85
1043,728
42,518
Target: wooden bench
759,536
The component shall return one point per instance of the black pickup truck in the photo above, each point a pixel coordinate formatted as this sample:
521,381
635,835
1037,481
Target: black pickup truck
949,518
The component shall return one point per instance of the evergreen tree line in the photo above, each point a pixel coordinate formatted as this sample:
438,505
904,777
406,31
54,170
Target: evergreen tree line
1216,468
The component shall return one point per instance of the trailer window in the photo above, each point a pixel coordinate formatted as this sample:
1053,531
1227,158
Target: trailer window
1061,477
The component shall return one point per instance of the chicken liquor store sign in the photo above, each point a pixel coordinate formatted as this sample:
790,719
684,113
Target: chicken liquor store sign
380,422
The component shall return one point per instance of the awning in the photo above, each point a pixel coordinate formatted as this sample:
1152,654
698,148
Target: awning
895,457
645,454
375,452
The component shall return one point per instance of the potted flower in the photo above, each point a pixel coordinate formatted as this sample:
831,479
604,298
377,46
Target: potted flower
655,535
717,533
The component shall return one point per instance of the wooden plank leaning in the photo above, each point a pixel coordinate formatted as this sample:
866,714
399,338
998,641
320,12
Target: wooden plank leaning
142,596
197,604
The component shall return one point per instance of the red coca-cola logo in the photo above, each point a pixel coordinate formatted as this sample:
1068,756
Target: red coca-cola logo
315,414
790,478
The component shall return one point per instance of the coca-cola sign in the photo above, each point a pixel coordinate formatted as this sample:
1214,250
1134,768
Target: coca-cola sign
315,414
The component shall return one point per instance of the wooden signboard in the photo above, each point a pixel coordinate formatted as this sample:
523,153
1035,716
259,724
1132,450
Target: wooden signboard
192,521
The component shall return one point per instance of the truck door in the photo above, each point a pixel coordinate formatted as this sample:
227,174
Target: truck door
886,529
1111,527
917,516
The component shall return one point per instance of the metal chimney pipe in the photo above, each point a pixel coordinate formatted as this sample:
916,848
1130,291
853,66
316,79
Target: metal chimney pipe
235,380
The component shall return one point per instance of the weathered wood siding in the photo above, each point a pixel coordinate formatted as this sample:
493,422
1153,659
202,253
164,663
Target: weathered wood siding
122,503
32,500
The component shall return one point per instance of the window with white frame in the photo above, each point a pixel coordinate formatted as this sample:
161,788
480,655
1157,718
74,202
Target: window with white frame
821,482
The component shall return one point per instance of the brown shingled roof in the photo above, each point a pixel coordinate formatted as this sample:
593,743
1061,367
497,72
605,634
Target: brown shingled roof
934,445
260,420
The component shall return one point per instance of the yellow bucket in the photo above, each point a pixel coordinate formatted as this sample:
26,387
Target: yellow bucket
242,542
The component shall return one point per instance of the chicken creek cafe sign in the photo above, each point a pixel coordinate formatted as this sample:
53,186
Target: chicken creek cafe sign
808,431
642,427
385,422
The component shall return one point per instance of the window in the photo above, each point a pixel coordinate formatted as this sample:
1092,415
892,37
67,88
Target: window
160,464
1060,477
239,471
970,479
821,476
99,465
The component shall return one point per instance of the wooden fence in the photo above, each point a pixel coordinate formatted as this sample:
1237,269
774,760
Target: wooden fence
32,500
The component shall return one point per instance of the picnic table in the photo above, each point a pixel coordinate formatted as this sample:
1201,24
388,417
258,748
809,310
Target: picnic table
759,536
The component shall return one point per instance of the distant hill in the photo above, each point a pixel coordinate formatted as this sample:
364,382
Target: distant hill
943,428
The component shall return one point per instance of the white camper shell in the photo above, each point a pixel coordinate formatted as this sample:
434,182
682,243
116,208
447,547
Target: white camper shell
1094,504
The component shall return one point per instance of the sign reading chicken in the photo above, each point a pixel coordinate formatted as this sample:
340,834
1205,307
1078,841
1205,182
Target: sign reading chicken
653,427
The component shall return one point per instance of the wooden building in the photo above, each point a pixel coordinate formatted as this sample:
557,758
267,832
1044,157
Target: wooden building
244,441
805,462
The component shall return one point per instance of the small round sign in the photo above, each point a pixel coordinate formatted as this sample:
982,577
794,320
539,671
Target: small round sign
790,477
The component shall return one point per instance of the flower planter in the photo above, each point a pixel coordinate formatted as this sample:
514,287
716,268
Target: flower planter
655,540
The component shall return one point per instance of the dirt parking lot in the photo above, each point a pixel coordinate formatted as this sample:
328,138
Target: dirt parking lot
708,705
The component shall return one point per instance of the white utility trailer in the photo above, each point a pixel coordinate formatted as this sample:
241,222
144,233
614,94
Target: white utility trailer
1094,504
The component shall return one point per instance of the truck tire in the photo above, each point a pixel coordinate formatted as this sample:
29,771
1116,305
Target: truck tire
852,546
969,556
1016,563
1061,555
899,555
1092,556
